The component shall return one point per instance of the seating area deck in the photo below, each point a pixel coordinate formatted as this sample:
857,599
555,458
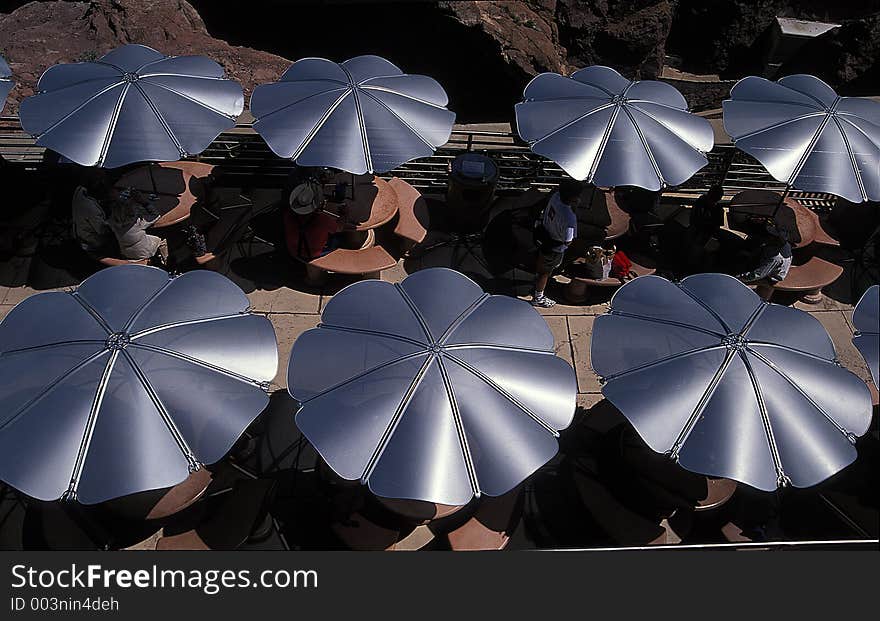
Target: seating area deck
551,519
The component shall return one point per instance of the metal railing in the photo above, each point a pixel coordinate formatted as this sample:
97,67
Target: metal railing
246,161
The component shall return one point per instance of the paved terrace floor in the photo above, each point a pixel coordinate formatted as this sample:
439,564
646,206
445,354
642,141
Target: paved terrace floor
277,291
293,309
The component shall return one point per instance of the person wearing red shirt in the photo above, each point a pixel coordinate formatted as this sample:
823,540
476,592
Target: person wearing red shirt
310,227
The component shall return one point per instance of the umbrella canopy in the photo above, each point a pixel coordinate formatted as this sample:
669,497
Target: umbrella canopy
727,384
866,319
806,136
6,82
602,128
129,383
431,389
132,105
362,116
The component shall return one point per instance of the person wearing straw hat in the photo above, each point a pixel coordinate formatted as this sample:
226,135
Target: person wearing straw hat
311,222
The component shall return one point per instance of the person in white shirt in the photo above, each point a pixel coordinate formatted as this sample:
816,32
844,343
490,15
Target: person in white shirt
131,215
89,223
774,261
553,234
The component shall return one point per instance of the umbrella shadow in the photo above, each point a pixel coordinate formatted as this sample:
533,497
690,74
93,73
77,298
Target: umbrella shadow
12,517
500,258
618,488
360,194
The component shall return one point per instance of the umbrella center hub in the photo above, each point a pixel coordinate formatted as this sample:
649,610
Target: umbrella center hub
735,342
118,341
130,77
435,349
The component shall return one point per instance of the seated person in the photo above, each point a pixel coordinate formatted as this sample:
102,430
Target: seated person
707,217
89,223
773,258
643,207
593,218
131,214
311,224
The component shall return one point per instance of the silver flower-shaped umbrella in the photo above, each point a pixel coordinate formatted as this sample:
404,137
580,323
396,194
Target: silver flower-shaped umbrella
806,136
6,82
727,384
605,129
431,389
362,116
129,383
866,319
132,105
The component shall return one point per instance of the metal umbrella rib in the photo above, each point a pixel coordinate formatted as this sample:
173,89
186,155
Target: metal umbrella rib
462,363
317,127
88,127
293,114
459,428
586,151
767,120
362,375
397,116
719,375
526,410
781,479
775,368
866,319
765,404
49,387
145,355
76,474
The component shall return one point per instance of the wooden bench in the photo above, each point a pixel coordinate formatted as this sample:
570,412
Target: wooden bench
369,260
820,235
412,214
719,491
576,290
809,279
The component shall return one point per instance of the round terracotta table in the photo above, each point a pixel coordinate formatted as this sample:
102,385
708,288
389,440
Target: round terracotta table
791,214
176,186
369,202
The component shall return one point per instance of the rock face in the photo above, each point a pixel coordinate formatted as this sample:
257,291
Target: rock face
726,36
40,34
848,58
561,35
483,52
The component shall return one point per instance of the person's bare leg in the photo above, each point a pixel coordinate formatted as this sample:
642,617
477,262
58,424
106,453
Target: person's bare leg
541,280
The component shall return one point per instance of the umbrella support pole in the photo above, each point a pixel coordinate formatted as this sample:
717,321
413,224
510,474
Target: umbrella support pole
781,200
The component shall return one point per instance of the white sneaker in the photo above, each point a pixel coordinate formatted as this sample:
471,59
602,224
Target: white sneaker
542,301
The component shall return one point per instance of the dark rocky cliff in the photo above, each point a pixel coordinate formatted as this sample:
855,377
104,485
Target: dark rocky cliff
482,52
